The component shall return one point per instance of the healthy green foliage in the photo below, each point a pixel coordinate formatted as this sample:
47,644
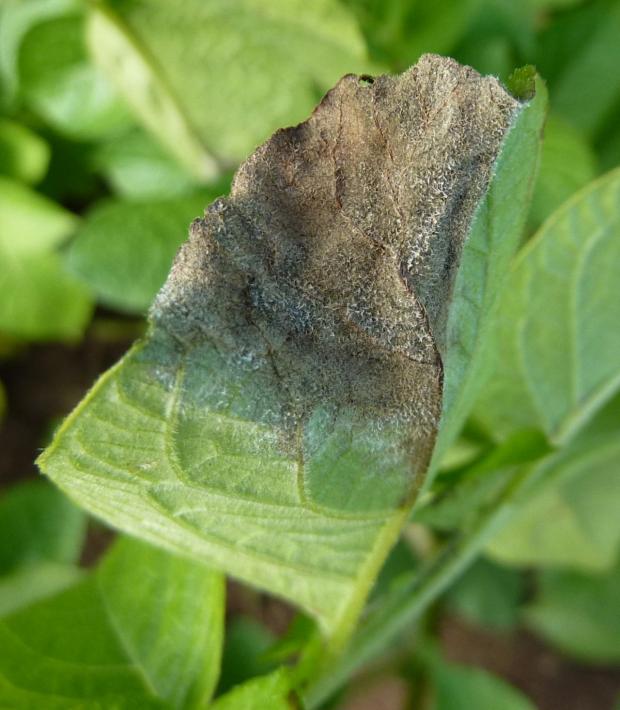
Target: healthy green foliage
494,238
270,691
143,631
586,91
459,686
297,49
38,299
137,167
24,155
42,536
557,335
580,493
567,164
16,18
488,595
579,613
61,85
123,250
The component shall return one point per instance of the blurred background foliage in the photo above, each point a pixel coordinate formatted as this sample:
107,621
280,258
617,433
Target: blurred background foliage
121,120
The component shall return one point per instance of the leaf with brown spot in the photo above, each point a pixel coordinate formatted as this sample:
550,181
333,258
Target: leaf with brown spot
282,412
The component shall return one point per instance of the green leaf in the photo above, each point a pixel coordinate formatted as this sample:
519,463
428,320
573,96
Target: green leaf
572,520
35,581
23,154
38,299
137,167
459,687
458,496
60,83
567,164
123,250
270,691
488,595
586,91
399,32
557,338
245,648
578,613
169,615
16,18
31,223
144,631
42,537
211,80
38,523
182,442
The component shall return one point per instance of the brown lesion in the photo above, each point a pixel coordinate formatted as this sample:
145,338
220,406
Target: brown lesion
329,262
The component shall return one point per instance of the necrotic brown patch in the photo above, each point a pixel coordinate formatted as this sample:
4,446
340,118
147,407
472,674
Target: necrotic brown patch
335,255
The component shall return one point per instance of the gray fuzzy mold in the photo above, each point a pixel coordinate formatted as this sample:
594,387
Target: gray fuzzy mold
335,255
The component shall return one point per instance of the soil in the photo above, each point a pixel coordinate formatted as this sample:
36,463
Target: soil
44,382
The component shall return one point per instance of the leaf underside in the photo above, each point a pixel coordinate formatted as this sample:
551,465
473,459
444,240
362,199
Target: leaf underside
283,409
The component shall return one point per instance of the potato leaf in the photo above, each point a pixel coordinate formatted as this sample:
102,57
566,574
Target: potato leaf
282,412
268,691
42,537
123,250
578,613
145,630
39,300
212,79
557,341
580,493
60,83
23,154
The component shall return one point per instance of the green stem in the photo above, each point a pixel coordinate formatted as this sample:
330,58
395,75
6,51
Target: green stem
403,607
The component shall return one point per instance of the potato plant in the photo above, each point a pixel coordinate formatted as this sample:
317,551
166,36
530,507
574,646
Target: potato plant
378,381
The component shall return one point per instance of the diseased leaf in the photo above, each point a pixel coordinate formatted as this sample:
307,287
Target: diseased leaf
60,83
39,300
578,613
557,341
123,250
184,68
23,154
144,631
286,402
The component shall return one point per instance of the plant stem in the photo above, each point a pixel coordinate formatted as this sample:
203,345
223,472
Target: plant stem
404,606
